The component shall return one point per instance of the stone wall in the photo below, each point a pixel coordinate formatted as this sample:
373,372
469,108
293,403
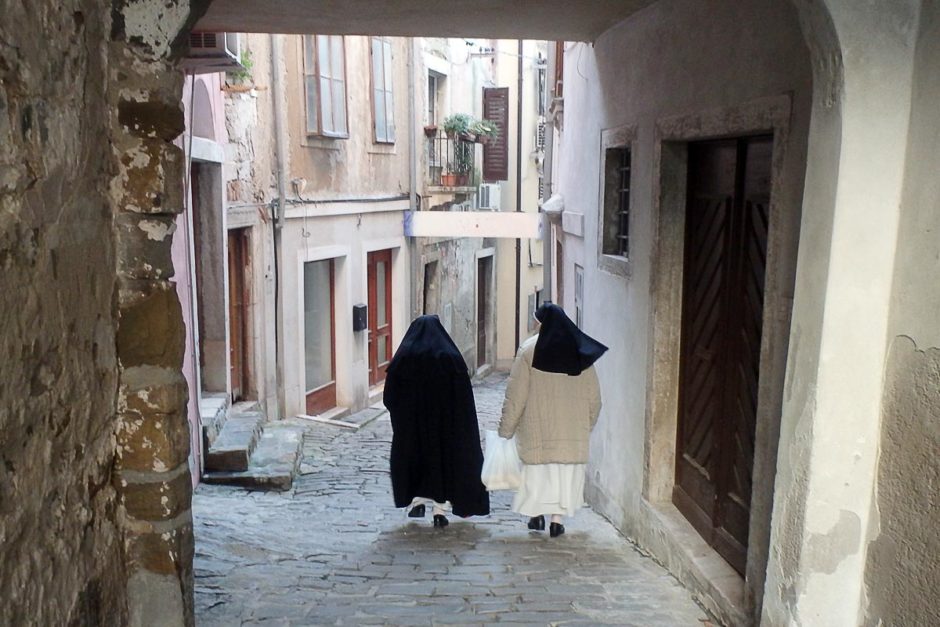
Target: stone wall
58,366
95,525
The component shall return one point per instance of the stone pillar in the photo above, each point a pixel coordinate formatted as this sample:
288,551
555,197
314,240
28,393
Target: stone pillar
152,475
829,437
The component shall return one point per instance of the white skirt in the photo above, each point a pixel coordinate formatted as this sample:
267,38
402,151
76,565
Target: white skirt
550,489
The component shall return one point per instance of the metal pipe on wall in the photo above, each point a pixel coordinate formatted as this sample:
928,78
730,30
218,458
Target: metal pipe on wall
279,159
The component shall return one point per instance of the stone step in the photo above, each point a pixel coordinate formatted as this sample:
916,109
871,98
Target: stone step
233,448
273,464
213,409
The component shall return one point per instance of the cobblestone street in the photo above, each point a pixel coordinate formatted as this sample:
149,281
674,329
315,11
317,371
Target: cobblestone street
334,550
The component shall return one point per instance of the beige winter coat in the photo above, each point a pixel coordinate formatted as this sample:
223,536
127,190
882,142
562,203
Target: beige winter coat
550,414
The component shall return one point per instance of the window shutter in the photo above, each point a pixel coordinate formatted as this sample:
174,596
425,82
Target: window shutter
496,149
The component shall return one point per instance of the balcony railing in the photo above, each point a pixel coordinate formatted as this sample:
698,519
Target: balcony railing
450,161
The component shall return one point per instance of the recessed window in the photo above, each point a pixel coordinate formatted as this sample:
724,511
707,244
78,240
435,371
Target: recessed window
383,109
616,231
325,85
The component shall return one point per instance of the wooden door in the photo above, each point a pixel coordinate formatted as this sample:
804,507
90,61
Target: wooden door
722,311
484,265
319,336
239,299
380,314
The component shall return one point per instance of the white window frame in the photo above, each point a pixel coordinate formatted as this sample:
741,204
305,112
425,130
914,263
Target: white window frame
383,102
325,75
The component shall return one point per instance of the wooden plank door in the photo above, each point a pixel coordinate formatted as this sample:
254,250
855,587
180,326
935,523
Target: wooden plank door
380,314
319,336
484,266
722,310
239,299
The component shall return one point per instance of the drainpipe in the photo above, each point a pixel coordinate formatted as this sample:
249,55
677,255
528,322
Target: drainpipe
518,187
412,172
279,159
548,189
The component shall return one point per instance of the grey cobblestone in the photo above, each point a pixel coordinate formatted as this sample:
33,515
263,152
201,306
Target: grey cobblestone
335,551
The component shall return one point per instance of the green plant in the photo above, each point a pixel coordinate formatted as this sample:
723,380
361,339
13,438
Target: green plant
484,128
463,156
457,123
244,72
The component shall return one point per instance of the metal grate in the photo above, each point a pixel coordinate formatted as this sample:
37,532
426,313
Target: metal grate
623,207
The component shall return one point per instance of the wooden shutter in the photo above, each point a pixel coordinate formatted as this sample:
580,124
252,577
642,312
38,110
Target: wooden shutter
496,149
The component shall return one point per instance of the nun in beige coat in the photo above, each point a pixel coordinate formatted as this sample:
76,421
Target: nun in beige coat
552,403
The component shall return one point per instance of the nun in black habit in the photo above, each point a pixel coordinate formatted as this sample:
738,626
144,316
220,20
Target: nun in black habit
436,451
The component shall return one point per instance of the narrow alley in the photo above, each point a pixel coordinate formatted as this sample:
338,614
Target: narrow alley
334,550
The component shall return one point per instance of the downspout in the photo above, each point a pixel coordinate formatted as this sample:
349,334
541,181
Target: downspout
412,173
518,188
547,191
279,160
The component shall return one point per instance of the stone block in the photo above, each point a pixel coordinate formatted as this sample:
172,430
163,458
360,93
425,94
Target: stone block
149,391
144,243
150,329
165,553
156,500
152,442
152,118
152,177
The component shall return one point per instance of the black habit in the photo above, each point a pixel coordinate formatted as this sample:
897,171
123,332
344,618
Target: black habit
562,347
436,440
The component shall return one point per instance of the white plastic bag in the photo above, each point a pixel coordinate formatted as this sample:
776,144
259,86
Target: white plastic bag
502,468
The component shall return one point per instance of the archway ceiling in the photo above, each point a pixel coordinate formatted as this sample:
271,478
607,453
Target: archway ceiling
570,20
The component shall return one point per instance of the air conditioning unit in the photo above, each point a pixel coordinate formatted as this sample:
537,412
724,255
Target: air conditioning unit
213,52
488,196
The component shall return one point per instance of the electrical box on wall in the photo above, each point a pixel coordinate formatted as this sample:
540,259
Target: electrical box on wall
360,317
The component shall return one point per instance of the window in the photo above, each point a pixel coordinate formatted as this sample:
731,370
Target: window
383,109
432,98
617,202
325,85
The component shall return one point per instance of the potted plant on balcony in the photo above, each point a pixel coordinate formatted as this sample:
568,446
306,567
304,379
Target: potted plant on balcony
484,130
457,124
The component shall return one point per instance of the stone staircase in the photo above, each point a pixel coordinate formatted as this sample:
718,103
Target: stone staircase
248,452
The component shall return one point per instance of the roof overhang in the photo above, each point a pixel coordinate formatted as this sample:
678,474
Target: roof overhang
568,20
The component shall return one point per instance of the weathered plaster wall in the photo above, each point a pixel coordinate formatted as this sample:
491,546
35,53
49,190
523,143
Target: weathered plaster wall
250,188
60,541
356,166
902,572
708,60
455,284
862,61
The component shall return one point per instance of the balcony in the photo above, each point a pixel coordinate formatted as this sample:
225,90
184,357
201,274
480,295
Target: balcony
451,162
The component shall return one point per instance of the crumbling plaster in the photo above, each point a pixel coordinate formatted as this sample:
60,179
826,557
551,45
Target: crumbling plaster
902,570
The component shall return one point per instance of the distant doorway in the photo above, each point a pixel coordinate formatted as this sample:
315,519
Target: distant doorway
484,306
727,213
319,336
380,314
239,307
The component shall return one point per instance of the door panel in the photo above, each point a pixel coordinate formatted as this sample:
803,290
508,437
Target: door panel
238,312
319,336
379,271
484,265
722,311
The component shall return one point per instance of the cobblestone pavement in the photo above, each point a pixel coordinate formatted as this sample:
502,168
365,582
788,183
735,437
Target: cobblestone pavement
335,551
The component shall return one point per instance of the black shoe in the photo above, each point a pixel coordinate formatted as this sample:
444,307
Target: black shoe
556,529
440,520
417,511
537,523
